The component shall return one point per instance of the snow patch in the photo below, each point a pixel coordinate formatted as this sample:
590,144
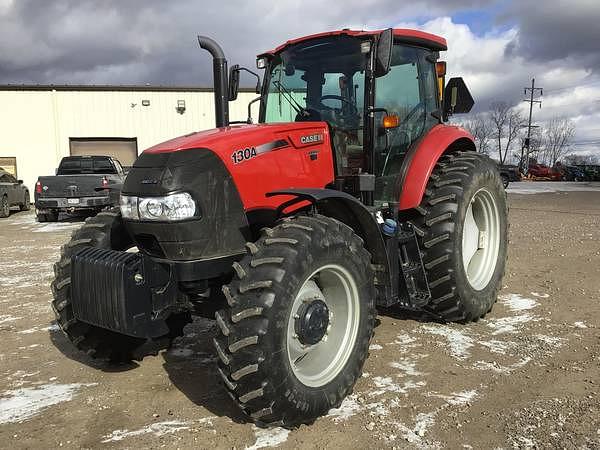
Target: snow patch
21,404
375,347
499,368
407,367
6,319
53,328
500,347
553,341
157,429
509,324
462,398
386,384
347,409
56,227
458,342
540,295
270,437
579,325
516,303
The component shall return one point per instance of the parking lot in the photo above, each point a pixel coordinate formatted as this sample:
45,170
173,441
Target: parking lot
526,376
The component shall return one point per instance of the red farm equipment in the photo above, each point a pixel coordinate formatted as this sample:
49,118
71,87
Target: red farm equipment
350,193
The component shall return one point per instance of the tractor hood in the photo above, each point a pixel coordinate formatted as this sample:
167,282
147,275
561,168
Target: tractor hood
226,141
259,159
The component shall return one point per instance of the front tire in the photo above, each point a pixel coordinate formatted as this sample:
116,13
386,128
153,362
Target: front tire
462,227
301,313
106,231
4,207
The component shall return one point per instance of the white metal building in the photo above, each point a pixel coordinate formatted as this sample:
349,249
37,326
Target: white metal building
41,124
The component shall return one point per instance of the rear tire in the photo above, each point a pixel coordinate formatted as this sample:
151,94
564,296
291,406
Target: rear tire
4,207
26,203
505,181
261,331
463,292
52,216
103,231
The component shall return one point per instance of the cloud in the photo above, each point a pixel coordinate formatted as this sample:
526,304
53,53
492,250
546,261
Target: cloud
153,41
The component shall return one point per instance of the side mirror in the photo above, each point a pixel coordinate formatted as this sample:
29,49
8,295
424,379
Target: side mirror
234,82
20,181
457,98
383,59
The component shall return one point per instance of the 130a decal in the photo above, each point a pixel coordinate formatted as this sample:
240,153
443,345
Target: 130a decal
243,155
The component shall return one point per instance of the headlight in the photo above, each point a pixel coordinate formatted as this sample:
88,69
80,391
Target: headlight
171,207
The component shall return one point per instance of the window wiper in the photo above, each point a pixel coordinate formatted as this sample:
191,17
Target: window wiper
290,98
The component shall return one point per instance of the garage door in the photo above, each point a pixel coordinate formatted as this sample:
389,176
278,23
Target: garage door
9,163
123,149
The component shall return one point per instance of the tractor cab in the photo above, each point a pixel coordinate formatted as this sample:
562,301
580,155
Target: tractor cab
379,92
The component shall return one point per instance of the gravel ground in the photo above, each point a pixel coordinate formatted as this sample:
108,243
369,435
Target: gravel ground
526,376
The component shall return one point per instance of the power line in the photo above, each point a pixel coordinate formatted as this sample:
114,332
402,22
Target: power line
573,87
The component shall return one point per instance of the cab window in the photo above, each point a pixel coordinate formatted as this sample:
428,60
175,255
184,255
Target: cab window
408,90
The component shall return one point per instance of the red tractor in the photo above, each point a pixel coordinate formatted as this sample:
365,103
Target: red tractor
350,193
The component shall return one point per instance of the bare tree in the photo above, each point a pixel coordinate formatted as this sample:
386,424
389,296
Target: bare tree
507,124
559,133
577,159
482,130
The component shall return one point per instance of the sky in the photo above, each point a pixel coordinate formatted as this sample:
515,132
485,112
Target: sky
497,46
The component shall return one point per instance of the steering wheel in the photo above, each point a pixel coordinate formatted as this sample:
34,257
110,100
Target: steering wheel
354,109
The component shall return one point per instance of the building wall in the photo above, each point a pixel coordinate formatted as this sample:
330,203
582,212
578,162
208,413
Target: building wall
35,126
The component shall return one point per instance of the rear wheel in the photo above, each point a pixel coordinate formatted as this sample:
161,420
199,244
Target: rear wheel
301,313
462,228
505,180
4,206
52,216
26,203
106,231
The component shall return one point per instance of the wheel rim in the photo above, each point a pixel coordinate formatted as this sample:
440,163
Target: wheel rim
481,239
317,364
5,207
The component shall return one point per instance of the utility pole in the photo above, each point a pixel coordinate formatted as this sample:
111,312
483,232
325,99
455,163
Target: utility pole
531,100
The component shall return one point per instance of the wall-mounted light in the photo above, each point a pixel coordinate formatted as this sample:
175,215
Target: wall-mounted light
180,106
145,102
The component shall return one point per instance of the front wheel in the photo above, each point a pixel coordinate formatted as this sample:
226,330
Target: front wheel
301,314
462,226
4,206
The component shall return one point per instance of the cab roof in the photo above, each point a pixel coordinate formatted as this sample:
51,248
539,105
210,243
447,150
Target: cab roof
403,35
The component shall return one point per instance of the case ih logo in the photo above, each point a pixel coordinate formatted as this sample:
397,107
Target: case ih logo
311,138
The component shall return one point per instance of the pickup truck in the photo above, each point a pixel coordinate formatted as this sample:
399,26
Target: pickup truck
509,173
82,184
12,193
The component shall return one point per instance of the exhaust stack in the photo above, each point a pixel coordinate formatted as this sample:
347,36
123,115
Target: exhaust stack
219,80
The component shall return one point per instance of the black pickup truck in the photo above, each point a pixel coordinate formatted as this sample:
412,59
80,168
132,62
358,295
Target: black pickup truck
78,186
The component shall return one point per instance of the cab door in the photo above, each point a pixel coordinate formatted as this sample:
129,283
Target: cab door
409,91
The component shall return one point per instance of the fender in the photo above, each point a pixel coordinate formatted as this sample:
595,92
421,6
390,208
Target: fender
345,208
422,158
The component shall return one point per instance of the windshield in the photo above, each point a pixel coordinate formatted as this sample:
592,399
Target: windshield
322,79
